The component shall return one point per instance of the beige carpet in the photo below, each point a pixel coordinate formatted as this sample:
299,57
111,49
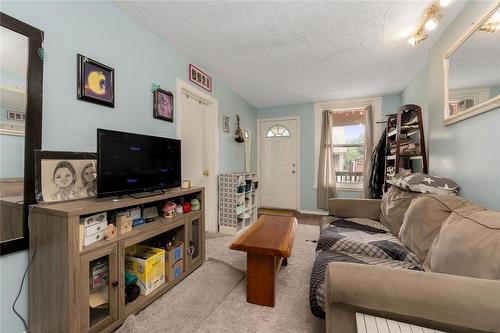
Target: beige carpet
213,298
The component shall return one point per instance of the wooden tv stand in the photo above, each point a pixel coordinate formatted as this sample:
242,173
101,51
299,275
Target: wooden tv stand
59,287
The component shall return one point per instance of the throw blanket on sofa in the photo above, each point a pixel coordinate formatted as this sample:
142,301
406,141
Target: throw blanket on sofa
355,240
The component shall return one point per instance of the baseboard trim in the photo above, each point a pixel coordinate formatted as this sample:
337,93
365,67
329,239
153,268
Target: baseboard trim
314,212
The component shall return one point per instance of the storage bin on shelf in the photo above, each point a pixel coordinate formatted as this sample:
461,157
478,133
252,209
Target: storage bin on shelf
174,260
174,254
240,208
148,264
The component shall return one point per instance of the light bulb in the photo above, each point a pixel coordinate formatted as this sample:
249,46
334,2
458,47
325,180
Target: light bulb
431,24
412,40
444,3
495,17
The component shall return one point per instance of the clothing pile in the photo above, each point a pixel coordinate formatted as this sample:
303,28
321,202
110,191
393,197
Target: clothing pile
407,147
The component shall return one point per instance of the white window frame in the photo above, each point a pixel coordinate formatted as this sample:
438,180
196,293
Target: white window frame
278,136
346,104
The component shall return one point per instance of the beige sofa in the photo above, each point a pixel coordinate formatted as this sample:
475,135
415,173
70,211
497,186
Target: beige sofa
448,302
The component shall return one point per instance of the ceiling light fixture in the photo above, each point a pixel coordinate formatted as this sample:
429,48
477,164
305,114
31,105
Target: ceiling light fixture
429,21
431,24
489,27
493,24
444,3
417,38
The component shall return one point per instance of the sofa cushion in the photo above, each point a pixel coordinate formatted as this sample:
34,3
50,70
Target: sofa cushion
423,220
356,236
424,183
468,244
317,285
394,204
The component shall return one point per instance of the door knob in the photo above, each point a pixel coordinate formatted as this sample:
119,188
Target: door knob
293,171
205,173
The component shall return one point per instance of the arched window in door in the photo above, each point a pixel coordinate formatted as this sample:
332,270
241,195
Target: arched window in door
278,131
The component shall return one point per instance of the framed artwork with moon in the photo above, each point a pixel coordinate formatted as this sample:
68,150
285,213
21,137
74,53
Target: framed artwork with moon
95,82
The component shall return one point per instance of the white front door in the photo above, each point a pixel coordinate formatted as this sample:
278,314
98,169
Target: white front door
278,164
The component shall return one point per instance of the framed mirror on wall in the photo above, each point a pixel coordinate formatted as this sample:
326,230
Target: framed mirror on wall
21,83
472,70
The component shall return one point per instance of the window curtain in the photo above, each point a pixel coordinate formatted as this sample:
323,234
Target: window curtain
368,150
326,167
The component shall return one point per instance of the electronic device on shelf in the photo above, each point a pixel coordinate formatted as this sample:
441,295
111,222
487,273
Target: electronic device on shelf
135,163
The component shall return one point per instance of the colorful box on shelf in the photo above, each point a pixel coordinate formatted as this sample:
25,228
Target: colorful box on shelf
99,274
175,271
148,264
123,223
174,253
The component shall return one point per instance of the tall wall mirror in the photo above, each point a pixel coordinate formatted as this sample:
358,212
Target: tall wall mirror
472,67
21,76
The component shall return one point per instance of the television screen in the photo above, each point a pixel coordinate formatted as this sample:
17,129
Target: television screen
130,163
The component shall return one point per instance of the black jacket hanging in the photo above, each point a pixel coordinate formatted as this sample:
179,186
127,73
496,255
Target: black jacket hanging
377,159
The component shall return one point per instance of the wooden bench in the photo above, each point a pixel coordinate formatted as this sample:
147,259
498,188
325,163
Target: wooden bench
268,244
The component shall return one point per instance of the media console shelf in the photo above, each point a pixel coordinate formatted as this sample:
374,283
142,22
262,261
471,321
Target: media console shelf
60,288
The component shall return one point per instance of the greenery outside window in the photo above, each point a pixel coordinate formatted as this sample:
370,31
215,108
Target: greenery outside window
349,147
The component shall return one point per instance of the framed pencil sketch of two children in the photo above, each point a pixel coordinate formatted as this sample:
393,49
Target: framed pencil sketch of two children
62,176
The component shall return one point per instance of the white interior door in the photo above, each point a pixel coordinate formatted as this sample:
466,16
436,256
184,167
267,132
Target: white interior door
194,140
278,164
198,127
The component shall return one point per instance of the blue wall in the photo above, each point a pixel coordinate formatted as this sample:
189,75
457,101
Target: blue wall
466,151
416,93
390,104
11,147
103,32
11,156
305,112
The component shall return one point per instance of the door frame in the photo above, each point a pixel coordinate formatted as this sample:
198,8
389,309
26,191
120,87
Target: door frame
212,128
259,142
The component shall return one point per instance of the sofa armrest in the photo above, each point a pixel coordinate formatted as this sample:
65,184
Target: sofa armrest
366,208
434,300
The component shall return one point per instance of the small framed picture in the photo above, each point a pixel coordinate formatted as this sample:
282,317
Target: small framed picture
200,78
95,82
225,123
62,175
163,105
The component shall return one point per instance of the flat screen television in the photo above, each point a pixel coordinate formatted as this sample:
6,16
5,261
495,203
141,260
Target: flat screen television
132,163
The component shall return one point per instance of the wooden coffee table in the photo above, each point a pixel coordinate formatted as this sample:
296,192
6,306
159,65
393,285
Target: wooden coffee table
268,244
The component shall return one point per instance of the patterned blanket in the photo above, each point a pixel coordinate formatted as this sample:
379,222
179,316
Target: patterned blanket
355,240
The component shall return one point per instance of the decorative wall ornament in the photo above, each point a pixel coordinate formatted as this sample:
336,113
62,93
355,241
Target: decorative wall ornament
154,87
163,105
225,123
199,77
239,135
95,82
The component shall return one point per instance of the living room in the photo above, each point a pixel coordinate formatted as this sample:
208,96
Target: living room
274,117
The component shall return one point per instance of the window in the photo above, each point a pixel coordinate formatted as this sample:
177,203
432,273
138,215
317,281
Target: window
278,131
349,146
